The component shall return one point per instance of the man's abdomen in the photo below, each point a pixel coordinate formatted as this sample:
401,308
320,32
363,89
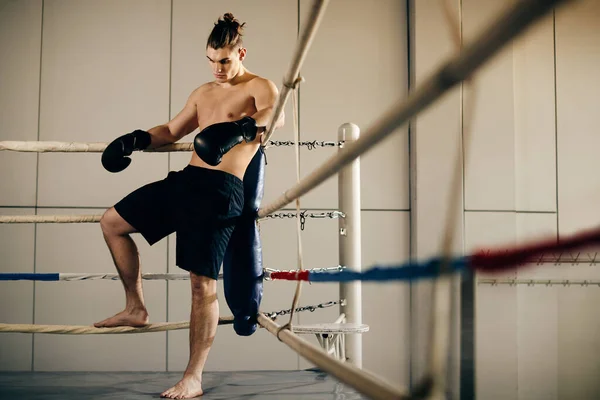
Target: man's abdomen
235,161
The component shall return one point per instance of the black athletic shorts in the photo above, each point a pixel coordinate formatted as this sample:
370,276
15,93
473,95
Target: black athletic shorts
201,205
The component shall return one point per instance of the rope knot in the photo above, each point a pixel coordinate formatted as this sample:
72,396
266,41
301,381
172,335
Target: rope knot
293,85
287,326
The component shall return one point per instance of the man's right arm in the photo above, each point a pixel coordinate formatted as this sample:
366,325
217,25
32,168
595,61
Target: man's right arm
115,157
184,123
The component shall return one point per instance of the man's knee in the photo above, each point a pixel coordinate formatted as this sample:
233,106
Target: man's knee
112,224
203,286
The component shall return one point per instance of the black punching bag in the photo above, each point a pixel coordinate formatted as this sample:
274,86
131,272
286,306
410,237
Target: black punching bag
242,265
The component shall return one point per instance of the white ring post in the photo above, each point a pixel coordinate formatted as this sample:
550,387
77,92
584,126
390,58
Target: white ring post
350,242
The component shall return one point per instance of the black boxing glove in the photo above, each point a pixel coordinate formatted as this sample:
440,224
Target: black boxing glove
114,157
217,139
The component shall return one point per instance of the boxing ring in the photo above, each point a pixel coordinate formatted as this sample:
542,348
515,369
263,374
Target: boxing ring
339,353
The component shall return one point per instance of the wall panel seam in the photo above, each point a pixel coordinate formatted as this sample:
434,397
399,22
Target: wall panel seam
298,361
412,177
168,168
37,179
555,122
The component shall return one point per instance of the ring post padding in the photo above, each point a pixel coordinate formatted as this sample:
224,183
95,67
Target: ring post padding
350,242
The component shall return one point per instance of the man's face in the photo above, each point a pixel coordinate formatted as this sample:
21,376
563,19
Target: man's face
225,63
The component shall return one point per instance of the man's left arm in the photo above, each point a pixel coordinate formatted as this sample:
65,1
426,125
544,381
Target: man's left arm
217,139
265,97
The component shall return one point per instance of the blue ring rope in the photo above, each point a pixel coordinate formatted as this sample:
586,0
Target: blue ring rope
406,272
29,277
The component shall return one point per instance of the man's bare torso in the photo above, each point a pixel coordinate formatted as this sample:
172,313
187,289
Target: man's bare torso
216,103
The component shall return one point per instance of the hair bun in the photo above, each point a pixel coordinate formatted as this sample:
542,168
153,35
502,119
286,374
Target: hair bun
227,31
229,18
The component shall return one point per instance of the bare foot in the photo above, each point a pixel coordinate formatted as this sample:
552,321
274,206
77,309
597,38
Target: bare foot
136,318
187,388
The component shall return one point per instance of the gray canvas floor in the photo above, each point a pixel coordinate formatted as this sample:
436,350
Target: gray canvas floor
282,385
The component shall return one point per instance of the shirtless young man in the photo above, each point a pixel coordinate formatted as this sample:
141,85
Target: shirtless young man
199,202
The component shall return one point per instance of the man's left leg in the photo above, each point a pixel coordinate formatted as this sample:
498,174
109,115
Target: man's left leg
203,328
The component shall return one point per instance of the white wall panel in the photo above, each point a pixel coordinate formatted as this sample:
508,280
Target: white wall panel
578,94
496,343
577,86
534,117
489,159
20,43
386,307
538,319
537,331
17,256
436,133
496,312
105,72
81,248
435,146
578,344
355,70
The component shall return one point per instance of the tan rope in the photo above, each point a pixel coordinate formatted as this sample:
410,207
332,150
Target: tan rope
67,276
298,290
48,219
91,330
64,219
441,295
79,147
454,197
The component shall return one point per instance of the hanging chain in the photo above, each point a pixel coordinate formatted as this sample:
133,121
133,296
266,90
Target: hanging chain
275,314
305,214
311,145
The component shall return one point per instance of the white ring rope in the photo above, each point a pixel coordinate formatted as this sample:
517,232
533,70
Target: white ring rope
92,330
166,326
80,147
96,147
115,277
66,219
334,328
78,276
50,219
